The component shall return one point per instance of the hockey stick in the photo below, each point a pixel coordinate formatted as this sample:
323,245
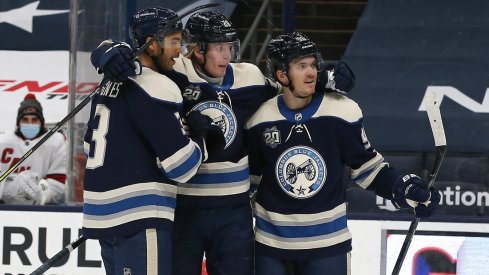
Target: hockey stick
433,110
59,256
94,92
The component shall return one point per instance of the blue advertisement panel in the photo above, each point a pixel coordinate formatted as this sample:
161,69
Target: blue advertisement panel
34,25
41,25
402,50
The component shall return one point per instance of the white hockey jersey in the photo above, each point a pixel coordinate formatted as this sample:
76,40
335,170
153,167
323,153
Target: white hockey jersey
48,161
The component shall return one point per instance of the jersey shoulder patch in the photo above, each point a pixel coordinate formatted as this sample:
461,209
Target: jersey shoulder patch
158,86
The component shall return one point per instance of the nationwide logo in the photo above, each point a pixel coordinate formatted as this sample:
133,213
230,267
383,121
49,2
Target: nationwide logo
458,97
450,196
58,89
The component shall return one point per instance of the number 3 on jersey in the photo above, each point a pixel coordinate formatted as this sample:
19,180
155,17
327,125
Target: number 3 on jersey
98,136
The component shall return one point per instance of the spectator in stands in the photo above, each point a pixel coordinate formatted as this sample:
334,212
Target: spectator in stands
40,179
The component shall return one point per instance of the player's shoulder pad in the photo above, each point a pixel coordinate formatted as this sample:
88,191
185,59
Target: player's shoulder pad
247,74
158,86
268,111
338,105
184,65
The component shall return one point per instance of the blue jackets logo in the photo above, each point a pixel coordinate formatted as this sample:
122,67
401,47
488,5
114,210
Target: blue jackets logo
222,115
301,172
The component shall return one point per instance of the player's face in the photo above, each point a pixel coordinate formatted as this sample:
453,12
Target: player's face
217,58
30,119
172,47
303,74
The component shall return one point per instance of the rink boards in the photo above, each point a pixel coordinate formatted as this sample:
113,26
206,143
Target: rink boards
31,234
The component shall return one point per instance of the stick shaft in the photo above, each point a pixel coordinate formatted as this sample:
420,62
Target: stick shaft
436,123
440,154
65,252
52,131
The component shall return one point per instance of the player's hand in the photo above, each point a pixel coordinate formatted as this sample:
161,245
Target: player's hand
410,191
426,209
336,76
197,123
202,125
115,61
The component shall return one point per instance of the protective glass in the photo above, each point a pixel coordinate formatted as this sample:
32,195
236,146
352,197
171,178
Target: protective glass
222,48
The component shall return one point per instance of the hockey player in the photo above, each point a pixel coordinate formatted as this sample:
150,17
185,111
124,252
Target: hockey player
40,179
213,214
299,143
137,152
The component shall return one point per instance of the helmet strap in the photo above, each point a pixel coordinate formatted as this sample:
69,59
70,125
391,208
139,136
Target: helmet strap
290,85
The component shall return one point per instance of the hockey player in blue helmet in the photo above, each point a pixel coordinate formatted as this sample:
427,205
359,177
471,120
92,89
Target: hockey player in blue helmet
130,191
299,144
213,43
285,48
114,58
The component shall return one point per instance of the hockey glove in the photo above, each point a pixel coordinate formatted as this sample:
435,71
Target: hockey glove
410,191
23,189
115,60
424,210
27,188
202,125
336,76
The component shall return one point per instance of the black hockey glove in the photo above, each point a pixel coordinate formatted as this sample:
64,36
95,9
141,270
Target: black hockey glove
336,76
115,61
202,125
410,191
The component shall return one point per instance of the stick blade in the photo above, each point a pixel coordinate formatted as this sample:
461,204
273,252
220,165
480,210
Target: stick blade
434,115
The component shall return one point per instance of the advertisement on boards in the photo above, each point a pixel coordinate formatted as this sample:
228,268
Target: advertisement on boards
29,238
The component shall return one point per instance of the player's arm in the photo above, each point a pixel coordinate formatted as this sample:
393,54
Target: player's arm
201,126
255,157
372,172
158,120
114,59
336,77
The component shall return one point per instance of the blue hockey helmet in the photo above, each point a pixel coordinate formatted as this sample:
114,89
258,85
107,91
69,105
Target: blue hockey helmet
209,26
212,27
149,21
286,47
